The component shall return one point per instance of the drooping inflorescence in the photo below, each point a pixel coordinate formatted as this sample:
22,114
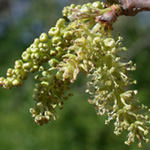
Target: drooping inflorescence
77,43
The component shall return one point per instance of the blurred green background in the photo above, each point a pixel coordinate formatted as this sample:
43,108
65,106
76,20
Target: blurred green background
78,126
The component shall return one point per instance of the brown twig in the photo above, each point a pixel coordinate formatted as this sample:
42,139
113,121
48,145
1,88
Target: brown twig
123,7
132,7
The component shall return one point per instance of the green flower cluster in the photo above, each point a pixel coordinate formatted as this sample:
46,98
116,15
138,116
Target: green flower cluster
79,43
32,58
110,95
48,93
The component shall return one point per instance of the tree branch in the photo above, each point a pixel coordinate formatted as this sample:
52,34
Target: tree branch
123,7
132,7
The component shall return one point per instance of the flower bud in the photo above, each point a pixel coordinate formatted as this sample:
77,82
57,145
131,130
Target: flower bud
44,37
109,42
26,56
54,31
53,62
17,82
18,64
60,23
56,41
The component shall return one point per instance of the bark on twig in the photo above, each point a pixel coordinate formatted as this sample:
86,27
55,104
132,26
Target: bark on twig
124,7
132,7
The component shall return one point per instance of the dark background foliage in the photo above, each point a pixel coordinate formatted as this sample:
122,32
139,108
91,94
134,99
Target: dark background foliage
78,126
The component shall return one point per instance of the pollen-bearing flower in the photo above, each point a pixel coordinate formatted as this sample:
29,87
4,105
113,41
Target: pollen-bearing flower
110,95
80,42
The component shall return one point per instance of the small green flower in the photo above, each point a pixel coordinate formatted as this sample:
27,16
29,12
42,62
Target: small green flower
43,37
54,31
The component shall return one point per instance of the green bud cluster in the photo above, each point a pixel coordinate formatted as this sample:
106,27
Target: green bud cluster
49,92
73,11
79,43
32,58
